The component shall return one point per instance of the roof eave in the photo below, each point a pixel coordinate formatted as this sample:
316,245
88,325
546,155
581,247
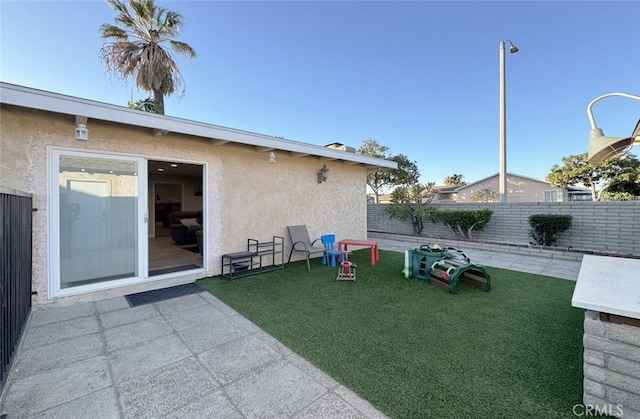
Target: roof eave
161,124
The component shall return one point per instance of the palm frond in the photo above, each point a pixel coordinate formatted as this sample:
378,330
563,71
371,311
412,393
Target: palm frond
123,15
183,48
112,31
173,20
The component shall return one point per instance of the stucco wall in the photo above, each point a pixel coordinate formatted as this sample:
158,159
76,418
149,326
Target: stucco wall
262,198
596,226
246,196
519,189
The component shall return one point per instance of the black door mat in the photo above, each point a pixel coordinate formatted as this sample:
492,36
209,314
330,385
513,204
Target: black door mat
154,296
174,269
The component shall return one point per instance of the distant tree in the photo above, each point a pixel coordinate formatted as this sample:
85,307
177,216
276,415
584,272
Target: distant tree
376,179
485,195
407,172
454,180
373,148
146,105
134,47
412,202
615,175
627,185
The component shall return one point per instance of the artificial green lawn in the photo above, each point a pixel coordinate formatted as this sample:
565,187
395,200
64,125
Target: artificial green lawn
416,351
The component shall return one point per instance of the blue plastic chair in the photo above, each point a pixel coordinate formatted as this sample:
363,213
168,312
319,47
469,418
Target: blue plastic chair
329,240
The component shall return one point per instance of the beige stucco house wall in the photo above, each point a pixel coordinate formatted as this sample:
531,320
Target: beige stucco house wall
244,195
519,189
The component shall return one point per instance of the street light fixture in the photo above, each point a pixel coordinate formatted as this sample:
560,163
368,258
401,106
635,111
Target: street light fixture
604,148
503,121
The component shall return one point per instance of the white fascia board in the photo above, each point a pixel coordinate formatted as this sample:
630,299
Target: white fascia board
53,102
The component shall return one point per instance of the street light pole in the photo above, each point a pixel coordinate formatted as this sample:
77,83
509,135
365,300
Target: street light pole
503,121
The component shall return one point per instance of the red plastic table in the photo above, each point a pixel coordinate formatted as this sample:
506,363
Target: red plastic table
343,245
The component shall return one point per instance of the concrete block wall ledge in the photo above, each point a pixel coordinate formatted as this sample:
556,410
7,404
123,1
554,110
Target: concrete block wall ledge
606,226
516,248
608,289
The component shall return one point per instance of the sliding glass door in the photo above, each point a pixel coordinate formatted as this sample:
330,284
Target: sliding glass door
98,222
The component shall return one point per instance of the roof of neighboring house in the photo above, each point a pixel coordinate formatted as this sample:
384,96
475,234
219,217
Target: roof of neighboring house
457,188
508,174
446,188
86,110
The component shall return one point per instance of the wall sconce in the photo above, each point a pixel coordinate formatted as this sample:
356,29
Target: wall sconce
272,157
322,174
197,191
82,133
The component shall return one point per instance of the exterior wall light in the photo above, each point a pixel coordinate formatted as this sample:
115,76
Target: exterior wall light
603,148
82,133
322,174
272,157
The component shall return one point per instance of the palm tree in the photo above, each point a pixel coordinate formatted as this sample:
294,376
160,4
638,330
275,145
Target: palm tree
454,180
134,47
146,105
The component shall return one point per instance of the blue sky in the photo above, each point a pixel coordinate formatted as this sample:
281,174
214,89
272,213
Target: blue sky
421,77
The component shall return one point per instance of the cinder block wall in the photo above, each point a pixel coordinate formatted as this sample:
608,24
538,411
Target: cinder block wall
611,366
596,226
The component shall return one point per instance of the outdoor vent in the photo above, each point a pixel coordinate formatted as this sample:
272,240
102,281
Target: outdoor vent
341,147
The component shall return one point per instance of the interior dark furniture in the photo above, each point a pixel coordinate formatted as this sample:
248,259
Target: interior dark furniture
199,240
180,233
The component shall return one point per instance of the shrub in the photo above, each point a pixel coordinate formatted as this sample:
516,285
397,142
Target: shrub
545,227
411,203
463,222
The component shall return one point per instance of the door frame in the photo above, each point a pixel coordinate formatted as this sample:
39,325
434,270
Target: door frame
53,222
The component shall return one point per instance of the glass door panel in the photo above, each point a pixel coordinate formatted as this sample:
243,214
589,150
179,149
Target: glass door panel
100,219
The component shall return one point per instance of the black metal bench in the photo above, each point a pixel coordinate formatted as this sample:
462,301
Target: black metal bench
258,258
